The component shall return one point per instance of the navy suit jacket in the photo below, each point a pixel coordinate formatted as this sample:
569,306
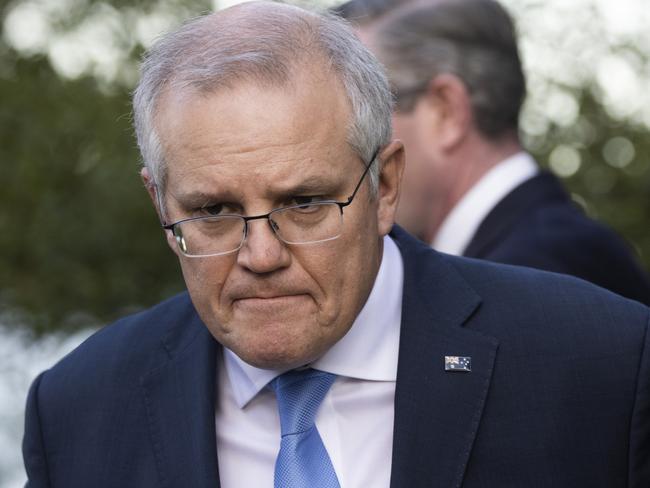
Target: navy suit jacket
538,225
558,395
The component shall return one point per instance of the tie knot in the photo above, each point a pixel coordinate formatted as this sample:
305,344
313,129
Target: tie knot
299,394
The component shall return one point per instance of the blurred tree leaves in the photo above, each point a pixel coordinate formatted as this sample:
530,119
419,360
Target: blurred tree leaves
612,181
78,230
79,239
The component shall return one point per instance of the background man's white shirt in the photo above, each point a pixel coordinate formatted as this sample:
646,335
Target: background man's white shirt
463,221
355,419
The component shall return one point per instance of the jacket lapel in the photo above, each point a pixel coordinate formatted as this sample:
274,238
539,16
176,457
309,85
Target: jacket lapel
543,189
437,412
179,398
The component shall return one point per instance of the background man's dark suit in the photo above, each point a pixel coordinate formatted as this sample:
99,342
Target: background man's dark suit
538,225
558,395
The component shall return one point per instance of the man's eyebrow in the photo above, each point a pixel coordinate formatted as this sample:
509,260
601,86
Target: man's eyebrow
196,198
312,184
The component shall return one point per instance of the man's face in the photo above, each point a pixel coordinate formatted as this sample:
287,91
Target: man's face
420,186
424,175
425,181
249,150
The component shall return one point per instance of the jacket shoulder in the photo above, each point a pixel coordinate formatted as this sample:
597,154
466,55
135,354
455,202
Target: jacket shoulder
552,305
559,237
126,349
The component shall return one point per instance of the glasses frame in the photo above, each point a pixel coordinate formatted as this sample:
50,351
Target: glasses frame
341,204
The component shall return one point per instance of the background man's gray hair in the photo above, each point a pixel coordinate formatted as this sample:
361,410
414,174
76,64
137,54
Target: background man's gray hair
221,50
472,39
365,12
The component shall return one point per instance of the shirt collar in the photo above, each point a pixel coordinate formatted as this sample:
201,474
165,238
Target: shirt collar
368,351
463,221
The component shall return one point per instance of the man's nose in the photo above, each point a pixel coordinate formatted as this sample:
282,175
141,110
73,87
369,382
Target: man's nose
263,251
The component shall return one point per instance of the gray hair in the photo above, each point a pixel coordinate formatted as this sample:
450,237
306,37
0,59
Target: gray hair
218,50
365,12
472,39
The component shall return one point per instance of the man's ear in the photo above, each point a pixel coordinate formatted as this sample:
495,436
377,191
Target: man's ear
390,183
448,105
153,189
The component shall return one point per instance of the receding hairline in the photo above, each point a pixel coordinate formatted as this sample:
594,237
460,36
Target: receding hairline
301,72
308,59
261,42
244,18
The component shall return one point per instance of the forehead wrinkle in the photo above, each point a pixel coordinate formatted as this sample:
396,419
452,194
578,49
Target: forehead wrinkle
305,176
202,151
312,77
254,159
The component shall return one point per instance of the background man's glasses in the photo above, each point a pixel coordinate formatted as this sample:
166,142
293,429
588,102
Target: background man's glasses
307,223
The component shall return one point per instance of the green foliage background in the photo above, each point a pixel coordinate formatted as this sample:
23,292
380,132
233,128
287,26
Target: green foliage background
79,240
78,230
618,196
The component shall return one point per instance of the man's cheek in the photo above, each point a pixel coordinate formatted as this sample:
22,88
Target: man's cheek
206,281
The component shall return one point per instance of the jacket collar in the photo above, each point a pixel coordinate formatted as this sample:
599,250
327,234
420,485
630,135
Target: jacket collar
544,188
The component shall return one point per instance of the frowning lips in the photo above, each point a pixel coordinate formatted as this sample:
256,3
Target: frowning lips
264,291
267,296
270,303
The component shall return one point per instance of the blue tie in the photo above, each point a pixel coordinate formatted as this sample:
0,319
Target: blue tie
302,461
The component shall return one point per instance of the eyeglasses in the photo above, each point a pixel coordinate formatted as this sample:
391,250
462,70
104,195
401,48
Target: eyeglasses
307,223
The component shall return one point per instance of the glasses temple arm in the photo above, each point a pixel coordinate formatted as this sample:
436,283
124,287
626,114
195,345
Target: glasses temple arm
356,189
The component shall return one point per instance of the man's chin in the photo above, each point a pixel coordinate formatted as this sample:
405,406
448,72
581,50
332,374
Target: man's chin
281,358
281,340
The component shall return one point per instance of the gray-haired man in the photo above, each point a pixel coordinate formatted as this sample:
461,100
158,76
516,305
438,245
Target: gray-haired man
314,348
469,187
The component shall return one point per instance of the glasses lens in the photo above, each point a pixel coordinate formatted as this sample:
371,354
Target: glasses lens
209,236
305,224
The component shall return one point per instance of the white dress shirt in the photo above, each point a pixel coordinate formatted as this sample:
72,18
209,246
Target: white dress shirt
355,419
463,221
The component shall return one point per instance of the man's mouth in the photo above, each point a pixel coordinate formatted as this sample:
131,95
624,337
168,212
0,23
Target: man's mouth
270,301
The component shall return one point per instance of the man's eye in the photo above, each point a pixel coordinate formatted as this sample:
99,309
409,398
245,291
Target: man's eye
305,200
307,205
216,209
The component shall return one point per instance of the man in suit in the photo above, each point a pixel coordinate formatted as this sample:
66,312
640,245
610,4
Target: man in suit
470,188
319,345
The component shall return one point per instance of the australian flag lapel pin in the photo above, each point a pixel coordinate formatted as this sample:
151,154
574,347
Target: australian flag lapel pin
462,364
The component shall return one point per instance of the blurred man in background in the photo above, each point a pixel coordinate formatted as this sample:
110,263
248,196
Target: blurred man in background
470,187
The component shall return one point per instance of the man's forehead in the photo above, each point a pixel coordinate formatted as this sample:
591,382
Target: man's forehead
314,85
268,180
288,159
249,127
255,164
